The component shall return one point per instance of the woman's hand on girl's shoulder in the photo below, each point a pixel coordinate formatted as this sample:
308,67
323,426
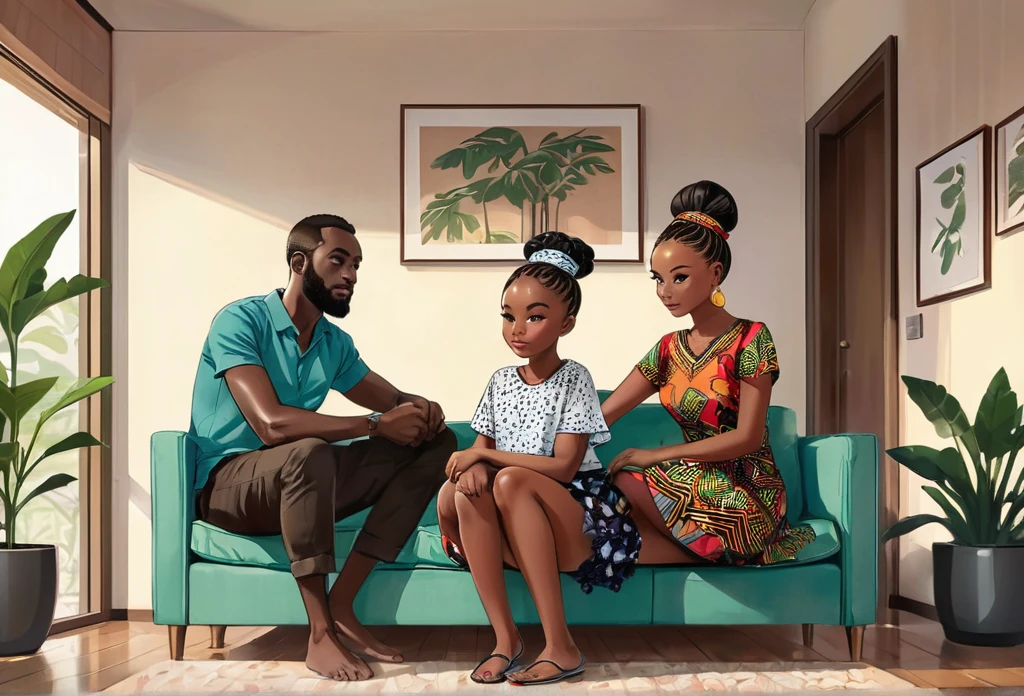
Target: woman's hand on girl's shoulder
633,458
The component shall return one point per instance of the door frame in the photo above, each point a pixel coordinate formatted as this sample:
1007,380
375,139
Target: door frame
875,81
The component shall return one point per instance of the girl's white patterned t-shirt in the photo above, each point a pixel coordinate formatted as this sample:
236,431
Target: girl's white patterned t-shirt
525,418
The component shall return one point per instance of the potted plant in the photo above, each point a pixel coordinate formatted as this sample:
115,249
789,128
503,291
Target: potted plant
976,576
29,571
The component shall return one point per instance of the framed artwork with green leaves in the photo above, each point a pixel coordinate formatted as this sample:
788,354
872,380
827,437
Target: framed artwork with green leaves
478,182
1010,173
954,217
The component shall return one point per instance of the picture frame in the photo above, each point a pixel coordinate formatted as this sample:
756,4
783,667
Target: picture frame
953,221
1009,144
478,181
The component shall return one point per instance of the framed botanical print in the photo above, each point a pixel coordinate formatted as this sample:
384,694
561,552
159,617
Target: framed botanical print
1010,173
954,214
478,182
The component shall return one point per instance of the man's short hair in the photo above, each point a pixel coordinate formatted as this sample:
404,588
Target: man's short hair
307,234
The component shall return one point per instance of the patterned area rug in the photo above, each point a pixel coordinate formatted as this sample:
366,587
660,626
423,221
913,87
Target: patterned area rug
292,677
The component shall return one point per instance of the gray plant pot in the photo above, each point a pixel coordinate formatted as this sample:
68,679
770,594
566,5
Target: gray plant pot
977,593
28,576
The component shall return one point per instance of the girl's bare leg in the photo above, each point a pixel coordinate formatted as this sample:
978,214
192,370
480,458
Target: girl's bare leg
658,546
480,537
544,527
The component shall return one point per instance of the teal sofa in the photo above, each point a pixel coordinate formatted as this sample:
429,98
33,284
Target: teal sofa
205,576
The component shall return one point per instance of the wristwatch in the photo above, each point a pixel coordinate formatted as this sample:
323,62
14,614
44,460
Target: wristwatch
372,421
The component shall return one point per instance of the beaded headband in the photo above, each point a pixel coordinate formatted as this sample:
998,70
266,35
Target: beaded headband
556,258
704,221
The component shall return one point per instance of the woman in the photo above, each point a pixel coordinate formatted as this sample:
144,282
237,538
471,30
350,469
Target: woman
530,493
717,497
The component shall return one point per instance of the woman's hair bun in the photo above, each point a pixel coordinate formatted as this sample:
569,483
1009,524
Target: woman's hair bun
578,250
709,198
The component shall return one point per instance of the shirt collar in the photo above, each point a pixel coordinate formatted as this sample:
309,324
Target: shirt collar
282,321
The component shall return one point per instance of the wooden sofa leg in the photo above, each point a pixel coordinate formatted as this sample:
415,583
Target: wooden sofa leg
855,636
217,636
176,638
808,634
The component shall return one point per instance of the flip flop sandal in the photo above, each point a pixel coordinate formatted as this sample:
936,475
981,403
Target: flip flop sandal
561,676
501,676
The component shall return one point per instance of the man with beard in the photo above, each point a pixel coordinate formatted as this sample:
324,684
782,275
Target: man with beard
265,464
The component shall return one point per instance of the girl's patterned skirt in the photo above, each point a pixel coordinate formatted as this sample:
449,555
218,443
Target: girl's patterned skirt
614,537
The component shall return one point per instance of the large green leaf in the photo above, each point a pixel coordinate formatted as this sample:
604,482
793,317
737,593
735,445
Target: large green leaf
909,524
1015,178
575,143
82,389
994,424
940,407
491,146
7,405
8,451
946,176
950,194
51,484
957,524
959,215
948,254
28,256
31,307
29,394
923,461
71,442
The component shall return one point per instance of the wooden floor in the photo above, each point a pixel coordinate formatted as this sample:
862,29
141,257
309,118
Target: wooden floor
95,658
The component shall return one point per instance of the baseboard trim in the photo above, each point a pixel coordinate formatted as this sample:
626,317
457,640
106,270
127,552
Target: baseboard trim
139,615
901,603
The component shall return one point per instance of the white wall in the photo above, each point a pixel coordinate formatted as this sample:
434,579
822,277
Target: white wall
237,136
959,67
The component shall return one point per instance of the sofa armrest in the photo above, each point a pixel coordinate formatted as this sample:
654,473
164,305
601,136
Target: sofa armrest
840,480
172,478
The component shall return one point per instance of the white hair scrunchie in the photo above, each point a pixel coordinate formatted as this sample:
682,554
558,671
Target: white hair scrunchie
556,258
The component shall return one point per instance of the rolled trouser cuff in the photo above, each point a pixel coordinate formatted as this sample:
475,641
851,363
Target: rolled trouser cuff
316,565
368,545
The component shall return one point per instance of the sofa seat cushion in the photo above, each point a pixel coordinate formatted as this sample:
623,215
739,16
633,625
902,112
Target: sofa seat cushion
423,550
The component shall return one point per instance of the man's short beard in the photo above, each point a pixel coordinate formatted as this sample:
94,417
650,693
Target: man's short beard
315,290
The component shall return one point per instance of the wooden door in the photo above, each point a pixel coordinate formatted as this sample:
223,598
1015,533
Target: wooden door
852,328
861,276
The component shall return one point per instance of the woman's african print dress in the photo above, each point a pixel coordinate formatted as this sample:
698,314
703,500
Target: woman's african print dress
730,512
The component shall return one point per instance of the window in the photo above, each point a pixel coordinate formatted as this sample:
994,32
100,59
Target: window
51,154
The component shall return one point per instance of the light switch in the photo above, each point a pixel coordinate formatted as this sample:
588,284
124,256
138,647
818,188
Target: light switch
915,329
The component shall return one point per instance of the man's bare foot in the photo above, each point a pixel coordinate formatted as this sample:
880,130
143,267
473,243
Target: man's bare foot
568,658
326,656
350,630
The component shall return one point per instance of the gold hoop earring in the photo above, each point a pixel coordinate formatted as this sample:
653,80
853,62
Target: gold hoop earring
718,298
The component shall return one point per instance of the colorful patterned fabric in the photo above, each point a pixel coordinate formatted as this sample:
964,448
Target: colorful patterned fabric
730,512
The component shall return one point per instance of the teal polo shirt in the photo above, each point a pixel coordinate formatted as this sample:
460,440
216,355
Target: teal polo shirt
259,331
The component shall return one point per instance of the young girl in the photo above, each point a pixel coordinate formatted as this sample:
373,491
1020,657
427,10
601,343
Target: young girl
531,494
717,497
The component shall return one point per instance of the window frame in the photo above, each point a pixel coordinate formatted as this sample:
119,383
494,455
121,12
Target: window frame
95,356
